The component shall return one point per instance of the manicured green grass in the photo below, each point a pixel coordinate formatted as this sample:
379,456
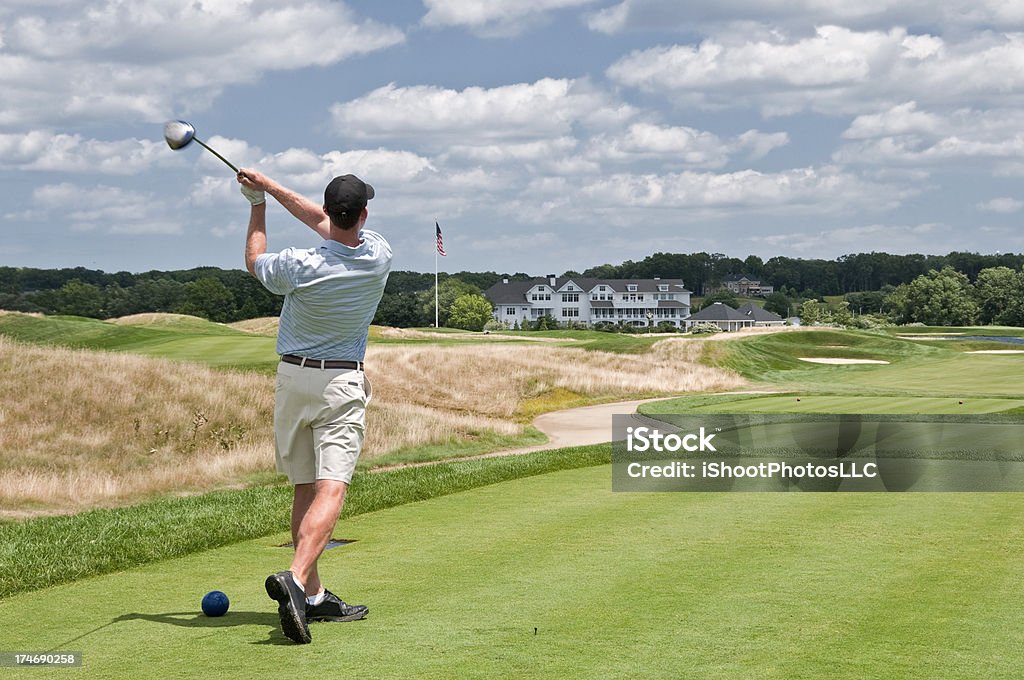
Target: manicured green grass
475,443
1011,331
915,368
818,403
51,550
556,576
210,344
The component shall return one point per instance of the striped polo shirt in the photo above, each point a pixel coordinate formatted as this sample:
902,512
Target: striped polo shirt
331,294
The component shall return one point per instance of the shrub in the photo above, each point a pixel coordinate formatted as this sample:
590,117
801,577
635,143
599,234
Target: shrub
705,327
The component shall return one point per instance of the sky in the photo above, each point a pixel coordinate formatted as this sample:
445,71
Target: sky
543,135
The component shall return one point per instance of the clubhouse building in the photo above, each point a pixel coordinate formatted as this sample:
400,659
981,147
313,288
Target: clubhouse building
636,302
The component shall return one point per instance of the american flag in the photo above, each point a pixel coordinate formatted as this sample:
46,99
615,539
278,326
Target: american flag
440,241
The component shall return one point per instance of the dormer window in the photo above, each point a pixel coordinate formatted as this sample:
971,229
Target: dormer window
662,287
631,288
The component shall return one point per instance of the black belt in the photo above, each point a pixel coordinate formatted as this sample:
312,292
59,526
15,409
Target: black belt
321,363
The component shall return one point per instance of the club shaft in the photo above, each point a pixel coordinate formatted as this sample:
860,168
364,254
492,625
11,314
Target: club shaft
226,161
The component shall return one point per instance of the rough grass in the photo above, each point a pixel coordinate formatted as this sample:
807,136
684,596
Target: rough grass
494,380
83,429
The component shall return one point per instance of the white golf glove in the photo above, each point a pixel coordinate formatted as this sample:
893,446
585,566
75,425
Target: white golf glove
255,197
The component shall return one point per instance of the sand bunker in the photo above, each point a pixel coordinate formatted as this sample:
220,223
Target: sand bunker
947,336
996,351
838,361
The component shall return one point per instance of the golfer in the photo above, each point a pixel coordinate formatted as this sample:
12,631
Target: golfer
331,294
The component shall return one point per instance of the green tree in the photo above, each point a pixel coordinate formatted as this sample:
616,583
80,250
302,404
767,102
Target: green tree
209,298
401,309
80,299
777,302
896,305
999,295
839,314
545,323
449,290
941,298
470,312
810,312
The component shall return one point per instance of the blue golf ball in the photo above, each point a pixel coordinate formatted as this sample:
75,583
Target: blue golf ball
215,603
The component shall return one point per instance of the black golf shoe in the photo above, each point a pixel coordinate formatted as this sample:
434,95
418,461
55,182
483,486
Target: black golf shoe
291,606
333,608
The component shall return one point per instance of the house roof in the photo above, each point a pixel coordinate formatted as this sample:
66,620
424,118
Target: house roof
511,293
662,304
718,312
601,303
758,313
515,292
645,285
740,277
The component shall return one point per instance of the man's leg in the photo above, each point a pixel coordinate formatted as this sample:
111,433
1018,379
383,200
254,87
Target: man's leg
315,512
304,494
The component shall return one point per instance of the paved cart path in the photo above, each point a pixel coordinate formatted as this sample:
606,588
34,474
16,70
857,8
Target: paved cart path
580,426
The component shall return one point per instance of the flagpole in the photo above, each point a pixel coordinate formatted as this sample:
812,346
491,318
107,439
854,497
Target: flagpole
436,324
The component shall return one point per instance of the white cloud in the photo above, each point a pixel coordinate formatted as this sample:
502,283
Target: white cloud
439,117
493,17
907,135
130,59
836,71
683,146
654,198
58,152
890,238
660,15
108,209
535,151
1004,206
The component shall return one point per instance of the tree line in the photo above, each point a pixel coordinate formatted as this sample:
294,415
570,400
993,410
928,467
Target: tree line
800,278
939,289
225,295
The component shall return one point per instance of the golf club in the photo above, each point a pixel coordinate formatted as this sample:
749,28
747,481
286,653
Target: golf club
178,134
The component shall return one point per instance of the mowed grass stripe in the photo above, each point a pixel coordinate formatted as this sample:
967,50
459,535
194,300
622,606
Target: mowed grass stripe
617,585
47,551
916,368
814,403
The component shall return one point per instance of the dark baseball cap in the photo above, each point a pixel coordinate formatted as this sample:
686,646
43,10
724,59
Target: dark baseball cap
346,194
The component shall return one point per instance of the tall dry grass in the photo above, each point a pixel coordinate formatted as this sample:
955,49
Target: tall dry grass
81,429
494,379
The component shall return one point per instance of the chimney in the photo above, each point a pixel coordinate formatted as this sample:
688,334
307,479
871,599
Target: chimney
657,278
551,280
504,280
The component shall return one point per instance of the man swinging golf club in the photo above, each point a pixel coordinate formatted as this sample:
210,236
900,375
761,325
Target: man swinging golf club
331,294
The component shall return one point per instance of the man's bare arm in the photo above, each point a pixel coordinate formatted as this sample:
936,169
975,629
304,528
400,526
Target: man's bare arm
256,239
303,209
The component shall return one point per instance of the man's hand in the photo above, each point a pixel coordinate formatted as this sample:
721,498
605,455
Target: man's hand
252,189
253,179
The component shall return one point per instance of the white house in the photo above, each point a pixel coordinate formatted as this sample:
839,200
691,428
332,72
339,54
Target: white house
638,302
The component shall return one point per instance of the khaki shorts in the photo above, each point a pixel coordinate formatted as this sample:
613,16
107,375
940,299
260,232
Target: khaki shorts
319,419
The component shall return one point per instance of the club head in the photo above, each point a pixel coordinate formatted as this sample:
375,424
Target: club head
178,133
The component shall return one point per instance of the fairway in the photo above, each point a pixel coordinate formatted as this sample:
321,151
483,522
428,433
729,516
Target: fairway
914,368
616,585
790,403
